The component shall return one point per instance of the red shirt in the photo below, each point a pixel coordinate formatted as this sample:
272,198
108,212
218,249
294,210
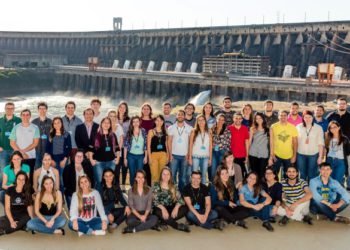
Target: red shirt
238,138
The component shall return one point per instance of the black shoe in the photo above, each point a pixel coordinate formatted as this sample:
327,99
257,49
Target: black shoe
63,232
156,228
272,220
283,221
268,226
128,230
2,232
348,189
219,224
183,227
241,223
33,232
307,219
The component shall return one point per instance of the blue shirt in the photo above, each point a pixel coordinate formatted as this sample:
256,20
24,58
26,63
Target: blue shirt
249,195
323,123
334,188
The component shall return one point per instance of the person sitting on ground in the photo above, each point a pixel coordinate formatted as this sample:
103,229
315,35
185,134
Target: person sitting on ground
18,205
328,197
168,203
274,189
224,199
45,170
48,209
86,202
296,198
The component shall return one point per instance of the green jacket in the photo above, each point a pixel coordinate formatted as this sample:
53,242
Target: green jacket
5,130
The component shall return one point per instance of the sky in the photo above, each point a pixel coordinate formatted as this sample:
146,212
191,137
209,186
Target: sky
97,15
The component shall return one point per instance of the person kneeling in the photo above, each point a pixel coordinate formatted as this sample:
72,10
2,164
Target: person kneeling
296,198
329,197
252,196
48,208
197,199
86,202
168,203
223,194
140,203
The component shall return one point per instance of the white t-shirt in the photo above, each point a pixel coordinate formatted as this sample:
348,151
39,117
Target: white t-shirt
308,145
99,118
119,133
24,136
181,138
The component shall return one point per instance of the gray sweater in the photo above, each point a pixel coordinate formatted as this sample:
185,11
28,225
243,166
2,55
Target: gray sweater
140,202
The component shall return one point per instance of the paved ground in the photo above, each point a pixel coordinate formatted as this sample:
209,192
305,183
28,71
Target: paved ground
322,235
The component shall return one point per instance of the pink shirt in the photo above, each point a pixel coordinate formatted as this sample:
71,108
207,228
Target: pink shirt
295,122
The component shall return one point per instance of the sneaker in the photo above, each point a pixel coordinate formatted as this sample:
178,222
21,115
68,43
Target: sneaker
272,220
111,227
342,219
307,219
156,228
283,221
268,226
241,223
129,230
321,217
80,234
2,232
100,232
183,227
219,224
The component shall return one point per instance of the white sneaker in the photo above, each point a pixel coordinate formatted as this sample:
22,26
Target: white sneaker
100,232
80,234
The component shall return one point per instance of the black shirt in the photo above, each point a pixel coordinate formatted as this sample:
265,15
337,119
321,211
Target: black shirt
343,120
105,151
158,142
48,211
17,203
275,192
271,119
228,115
197,195
44,128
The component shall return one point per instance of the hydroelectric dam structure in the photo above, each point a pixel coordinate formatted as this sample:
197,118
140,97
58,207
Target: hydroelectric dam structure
298,44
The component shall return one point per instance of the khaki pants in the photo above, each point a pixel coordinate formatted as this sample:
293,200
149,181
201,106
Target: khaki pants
300,211
158,162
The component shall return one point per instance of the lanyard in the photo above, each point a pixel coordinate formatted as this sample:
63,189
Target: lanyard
196,197
202,138
106,140
182,130
136,138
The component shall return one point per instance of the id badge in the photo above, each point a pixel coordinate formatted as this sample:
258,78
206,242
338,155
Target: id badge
159,147
70,132
196,206
44,137
137,147
7,134
108,149
179,140
203,147
216,148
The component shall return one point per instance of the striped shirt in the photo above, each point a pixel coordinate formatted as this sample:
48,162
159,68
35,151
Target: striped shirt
295,192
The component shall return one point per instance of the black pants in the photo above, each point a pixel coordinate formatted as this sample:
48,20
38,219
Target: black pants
31,164
171,221
119,215
134,222
121,168
147,169
258,165
21,223
231,215
241,163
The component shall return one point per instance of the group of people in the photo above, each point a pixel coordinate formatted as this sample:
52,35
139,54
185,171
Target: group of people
212,168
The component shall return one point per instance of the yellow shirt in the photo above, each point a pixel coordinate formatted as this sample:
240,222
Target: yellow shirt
282,139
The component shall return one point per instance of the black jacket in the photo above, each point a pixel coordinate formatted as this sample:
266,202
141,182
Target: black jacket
81,137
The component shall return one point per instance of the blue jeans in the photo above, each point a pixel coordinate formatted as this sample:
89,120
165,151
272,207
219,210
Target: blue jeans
135,162
4,161
217,158
38,159
38,225
179,171
320,208
338,169
98,171
264,213
60,171
68,200
285,163
200,164
208,224
307,166
86,227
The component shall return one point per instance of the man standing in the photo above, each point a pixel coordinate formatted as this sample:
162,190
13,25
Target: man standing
319,119
226,110
25,137
44,125
96,105
239,141
294,118
270,116
170,119
342,116
70,122
7,123
283,143
190,118
178,136
296,198
328,197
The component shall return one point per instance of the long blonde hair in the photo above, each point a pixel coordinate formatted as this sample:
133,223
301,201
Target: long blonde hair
80,192
171,185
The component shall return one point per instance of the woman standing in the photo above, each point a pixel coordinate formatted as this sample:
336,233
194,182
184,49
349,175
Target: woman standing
106,153
221,144
18,205
45,170
274,189
157,148
86,202
338,147
256,200
247,112
140,203
259,145
208,112
48,209
310,146
200,150
59,146
224,199
168,203
135,147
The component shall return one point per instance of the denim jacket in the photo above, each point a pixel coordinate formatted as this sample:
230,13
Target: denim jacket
334,189
128,141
